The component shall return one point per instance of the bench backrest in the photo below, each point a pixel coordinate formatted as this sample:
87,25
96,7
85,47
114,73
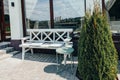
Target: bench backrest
49,35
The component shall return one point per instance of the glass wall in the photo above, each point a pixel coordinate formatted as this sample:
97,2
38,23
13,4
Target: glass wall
37,14
67,13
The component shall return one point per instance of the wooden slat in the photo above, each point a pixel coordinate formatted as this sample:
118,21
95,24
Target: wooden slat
49,34
51,30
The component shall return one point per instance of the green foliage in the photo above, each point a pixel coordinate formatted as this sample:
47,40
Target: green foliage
97,58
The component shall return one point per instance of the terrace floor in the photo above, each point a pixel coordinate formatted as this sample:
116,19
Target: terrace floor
35,67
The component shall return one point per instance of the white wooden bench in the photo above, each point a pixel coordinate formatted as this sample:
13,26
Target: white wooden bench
44,38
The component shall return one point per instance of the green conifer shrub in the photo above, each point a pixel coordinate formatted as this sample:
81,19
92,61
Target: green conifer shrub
97,56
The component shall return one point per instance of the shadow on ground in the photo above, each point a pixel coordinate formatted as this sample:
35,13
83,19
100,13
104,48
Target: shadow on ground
39,57
62,71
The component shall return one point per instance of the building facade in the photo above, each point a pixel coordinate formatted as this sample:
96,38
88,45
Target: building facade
36,14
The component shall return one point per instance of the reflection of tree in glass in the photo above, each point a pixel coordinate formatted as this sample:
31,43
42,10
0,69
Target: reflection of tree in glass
32,24
41,24
69,22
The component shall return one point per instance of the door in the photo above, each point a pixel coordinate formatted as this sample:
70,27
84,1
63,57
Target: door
4,22
1,21
0,24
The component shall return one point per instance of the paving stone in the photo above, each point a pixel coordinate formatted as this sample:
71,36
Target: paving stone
34,67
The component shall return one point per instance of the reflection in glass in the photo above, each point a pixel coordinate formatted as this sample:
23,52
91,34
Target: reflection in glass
68,13
37,13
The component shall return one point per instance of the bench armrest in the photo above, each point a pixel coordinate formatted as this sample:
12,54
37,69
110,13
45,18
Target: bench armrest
24,39
67,39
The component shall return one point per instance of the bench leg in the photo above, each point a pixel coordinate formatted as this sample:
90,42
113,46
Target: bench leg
23,53
31,51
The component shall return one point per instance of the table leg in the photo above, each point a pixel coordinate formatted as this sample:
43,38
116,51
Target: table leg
65,56
72,63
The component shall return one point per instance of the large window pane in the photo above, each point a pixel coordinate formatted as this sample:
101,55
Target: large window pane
67,13
37,13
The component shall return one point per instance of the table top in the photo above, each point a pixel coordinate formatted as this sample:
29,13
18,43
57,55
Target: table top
65,50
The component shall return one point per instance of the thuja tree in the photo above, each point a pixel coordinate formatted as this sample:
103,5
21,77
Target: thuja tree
97,58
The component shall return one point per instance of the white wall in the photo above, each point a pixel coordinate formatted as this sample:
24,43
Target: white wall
15,19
